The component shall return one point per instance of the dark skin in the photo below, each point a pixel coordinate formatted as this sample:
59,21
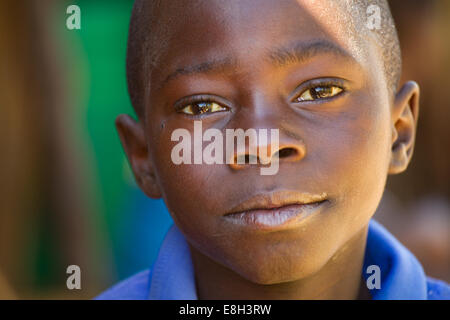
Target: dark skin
343,144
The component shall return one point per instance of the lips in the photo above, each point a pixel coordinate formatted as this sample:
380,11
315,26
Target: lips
276,210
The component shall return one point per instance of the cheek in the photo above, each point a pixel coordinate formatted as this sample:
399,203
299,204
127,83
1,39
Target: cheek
359,157
190,191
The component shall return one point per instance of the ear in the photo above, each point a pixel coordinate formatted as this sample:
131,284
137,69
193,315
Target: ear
133,140
404,124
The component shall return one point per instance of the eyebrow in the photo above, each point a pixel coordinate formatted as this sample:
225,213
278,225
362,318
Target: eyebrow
204,68
298,52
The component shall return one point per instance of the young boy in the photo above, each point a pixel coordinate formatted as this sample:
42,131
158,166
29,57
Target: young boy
325,75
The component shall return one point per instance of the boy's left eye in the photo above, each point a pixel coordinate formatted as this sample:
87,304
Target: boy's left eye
319,92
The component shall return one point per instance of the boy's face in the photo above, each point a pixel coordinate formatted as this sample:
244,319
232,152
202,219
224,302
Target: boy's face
342,143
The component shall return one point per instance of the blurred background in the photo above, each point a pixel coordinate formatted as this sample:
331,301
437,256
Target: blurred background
67,195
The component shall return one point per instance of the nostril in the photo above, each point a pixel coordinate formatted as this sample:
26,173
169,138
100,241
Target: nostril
287,153
246,159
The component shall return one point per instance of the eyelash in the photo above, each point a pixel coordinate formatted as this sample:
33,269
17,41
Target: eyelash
195,100
314,84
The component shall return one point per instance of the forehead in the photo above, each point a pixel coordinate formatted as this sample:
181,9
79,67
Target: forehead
243,30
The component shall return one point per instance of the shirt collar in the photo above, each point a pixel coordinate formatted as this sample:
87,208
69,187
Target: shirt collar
402,276
172,275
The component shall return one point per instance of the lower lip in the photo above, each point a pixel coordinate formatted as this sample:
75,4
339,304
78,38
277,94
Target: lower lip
277,218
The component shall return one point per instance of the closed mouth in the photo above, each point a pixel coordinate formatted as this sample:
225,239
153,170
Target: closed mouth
276,210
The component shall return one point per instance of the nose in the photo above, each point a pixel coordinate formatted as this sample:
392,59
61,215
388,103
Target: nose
260,152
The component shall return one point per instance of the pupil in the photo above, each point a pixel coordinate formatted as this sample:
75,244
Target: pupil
203,107
321,92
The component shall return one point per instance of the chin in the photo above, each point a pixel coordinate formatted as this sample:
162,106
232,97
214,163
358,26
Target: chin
271,274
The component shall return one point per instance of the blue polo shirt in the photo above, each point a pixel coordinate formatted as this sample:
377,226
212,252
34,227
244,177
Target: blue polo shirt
172,275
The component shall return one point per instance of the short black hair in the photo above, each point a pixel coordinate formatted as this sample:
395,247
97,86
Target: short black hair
143,54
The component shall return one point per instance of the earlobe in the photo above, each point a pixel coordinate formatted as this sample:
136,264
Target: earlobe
133,140
404,123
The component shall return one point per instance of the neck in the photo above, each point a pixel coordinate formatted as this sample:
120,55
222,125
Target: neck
340,278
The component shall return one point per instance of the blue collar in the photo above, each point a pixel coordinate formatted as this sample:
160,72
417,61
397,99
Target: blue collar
172,275
402,276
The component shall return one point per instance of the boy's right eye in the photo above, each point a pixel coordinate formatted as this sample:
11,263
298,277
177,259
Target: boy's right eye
202,107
